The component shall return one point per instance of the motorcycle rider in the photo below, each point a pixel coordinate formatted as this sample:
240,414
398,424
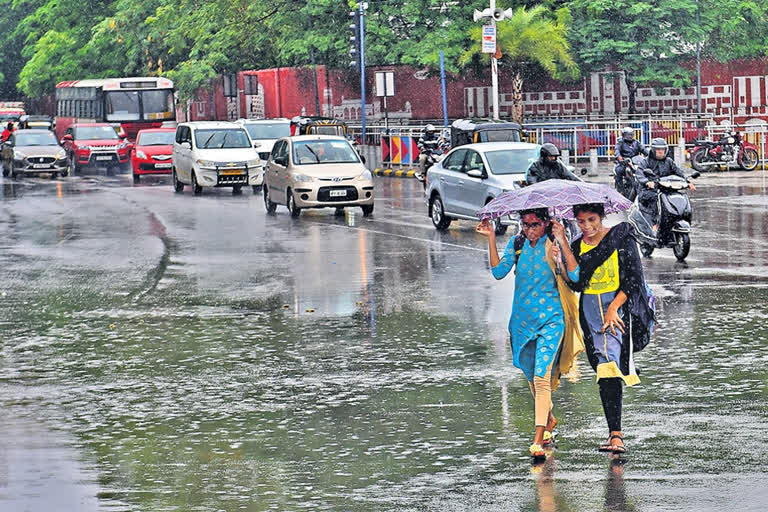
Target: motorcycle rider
626,149
548,167
655,166
427,143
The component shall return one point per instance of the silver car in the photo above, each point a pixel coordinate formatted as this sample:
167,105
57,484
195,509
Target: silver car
472,175
33,151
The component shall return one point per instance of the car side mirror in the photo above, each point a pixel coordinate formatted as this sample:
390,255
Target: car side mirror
583,171
476,173
187,144
280,161
67,137
256,144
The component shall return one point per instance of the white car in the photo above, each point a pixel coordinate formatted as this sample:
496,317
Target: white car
264,133
210,154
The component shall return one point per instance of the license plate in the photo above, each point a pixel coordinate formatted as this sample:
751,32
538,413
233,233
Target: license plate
106,157
162,166
40,166
236,172
338,193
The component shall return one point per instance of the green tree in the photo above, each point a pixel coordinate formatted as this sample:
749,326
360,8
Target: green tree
529,36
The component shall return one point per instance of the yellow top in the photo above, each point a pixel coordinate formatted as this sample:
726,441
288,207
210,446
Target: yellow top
606,277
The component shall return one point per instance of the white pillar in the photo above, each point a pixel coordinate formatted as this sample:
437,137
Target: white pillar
593,162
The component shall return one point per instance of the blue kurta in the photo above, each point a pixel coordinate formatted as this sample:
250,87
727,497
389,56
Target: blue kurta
537,323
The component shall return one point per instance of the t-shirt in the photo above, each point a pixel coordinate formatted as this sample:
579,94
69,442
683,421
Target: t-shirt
606,277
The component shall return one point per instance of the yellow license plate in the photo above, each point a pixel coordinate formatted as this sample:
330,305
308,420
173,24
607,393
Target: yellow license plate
235,172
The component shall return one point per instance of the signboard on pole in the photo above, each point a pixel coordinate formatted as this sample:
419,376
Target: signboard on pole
385,83
489,39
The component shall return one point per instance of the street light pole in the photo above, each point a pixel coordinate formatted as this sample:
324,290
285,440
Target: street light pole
494,69
493,15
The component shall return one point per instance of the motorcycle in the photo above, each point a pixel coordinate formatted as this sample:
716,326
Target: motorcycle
674,218
730,151
624,177
434,151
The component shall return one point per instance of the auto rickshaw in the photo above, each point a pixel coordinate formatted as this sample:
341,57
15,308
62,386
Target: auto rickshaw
469,131
37,121
314,125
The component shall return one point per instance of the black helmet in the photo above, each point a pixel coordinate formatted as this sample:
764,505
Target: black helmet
628,134
659,143
549,149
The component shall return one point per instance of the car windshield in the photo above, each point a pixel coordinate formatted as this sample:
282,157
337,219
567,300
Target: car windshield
500,136
222,139
95,132
35,139
331,129
156,139
259,131
324,152
511,161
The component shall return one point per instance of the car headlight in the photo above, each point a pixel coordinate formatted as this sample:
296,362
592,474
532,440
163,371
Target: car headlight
206,163
254,163
365,175
61,155
18,156
302,178
141,154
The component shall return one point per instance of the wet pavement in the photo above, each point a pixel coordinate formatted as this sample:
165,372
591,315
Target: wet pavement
164,352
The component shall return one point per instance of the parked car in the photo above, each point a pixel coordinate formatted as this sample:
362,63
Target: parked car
472,175
95,145
264,133
316,171
33,152
209,154
153,152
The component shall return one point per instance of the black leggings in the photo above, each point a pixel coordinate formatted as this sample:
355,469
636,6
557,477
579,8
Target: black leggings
610,393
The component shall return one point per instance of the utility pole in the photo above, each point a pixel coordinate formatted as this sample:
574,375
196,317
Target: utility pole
357,52
489,45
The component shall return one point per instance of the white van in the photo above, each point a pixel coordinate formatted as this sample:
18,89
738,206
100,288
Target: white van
215,154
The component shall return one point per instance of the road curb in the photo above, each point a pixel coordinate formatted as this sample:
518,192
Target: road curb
395,173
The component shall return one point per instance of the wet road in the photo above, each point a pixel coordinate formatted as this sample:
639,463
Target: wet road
165,352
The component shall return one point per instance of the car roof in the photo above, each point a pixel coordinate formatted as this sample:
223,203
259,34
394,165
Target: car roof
33,130
299,138
485,147
264,121
93,124
207,125
155,130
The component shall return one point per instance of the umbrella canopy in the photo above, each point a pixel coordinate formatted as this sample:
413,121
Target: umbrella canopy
559,196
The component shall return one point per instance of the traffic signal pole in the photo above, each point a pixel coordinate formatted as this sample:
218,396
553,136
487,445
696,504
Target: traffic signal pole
361,10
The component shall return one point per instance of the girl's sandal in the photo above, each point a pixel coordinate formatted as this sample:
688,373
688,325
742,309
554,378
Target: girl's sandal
537,452
605,446
549,439
620,448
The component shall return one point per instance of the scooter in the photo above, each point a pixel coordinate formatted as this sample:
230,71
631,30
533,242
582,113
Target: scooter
674,218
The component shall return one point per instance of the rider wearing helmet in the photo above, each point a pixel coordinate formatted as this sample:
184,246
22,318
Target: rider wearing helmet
427,142
655,166
548,167
626,149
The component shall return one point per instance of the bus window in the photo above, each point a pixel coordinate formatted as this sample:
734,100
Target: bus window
122,106
157,105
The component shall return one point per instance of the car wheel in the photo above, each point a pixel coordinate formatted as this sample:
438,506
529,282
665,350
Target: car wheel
73,169
136,178
237,190
257,188
339,212
367,210
196,188
498,227
5,170
295,210
268,204
177,185
54,175
437,213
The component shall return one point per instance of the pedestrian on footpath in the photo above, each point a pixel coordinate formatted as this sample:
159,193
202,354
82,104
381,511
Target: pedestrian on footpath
616,308
543,328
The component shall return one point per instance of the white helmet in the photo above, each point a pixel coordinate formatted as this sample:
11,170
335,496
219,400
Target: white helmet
429,128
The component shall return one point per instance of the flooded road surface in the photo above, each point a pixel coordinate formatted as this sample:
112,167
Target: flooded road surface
164,352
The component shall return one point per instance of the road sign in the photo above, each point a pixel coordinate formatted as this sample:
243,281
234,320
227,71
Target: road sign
385,83
489,39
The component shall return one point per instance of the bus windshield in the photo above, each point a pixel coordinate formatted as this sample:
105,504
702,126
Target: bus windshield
154,105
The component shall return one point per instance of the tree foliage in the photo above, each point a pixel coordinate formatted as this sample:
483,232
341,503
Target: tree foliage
191,41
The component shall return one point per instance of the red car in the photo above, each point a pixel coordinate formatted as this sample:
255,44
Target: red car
95,145
152,152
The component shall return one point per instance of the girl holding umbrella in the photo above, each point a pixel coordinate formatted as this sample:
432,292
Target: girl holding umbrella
615,309
543,328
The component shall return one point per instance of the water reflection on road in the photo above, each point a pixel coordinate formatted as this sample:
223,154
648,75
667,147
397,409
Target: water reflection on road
198,354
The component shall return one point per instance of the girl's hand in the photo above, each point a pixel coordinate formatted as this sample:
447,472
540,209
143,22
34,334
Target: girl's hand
558,231
557,254
485,228
614,321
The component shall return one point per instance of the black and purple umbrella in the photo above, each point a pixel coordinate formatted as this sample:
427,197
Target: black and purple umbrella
559,196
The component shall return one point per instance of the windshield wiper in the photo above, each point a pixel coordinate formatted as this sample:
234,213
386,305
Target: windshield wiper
205,145
223,139
311,151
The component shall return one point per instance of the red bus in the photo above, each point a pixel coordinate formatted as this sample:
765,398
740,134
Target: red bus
130,104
